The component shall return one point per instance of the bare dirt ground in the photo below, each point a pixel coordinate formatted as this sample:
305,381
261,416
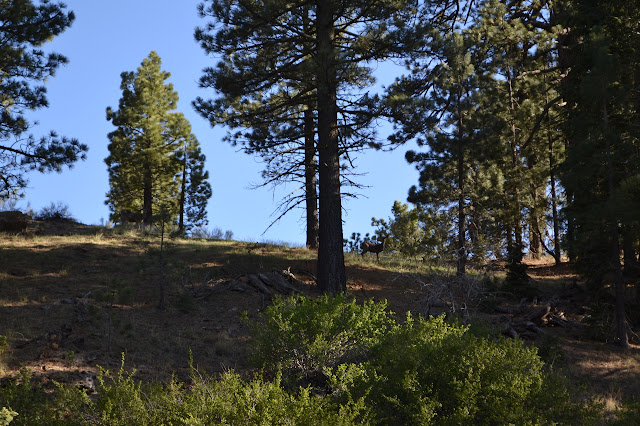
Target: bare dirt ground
74,297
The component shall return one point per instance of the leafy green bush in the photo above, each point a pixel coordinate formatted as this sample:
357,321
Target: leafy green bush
303,337
35,404
6,415
431,371
225,400
628,414
421,372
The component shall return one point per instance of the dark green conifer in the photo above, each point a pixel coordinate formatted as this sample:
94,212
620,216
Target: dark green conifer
196,190
145,167
283,57
25,27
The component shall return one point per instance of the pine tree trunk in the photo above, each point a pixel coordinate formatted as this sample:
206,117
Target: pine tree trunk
564,64
535,244
621,324
147,196
183,189
331,271
516,212
554,204
629,237
535,235
311,193
552,184
462,252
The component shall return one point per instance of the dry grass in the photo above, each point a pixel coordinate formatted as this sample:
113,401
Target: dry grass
51,331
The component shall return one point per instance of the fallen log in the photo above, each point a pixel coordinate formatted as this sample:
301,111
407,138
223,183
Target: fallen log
506,310
538,315
255,281
277,281
307,273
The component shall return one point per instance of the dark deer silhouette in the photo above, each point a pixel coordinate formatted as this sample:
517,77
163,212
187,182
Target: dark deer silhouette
368,247
129,216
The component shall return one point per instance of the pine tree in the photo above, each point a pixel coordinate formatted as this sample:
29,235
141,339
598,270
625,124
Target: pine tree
602,115
25,27
519,59
144,169
511,139
445,118
195,189
280,124
416,232
276,124
269,49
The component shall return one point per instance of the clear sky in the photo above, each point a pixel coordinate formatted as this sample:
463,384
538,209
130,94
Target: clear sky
109,37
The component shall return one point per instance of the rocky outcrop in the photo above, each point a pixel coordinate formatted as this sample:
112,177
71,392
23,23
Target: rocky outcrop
13,221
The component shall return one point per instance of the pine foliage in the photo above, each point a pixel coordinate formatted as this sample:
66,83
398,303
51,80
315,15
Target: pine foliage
25,27
147,161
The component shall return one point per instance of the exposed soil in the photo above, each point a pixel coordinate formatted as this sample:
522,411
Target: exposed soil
73,297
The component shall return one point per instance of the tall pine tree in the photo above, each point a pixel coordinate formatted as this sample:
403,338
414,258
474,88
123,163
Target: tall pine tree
25,26
439,105
145,167
601,126
271,49
195,189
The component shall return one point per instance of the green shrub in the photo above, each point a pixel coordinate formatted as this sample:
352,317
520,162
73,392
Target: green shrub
436,371
358,366
303,337
628,414
231,400
424,371
35,404
6,415
227,399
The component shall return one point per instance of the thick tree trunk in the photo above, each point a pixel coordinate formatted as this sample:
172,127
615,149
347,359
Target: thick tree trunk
629,238
147,197
565,41
553,194
621,322
554,205
311,192
331,271
535,245
517,211
183,189
462,250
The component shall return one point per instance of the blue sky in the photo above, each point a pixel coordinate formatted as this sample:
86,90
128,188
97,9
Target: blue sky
110,37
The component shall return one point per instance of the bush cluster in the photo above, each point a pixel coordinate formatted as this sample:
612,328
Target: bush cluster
421,371
303,337
202,232
122,400
54,211
330,361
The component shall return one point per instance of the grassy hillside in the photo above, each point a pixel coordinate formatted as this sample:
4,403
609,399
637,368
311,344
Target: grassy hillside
75,297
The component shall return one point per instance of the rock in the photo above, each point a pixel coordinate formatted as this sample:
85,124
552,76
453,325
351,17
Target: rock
13,221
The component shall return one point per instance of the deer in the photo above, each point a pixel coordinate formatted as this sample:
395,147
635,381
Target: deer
129,216
368,247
